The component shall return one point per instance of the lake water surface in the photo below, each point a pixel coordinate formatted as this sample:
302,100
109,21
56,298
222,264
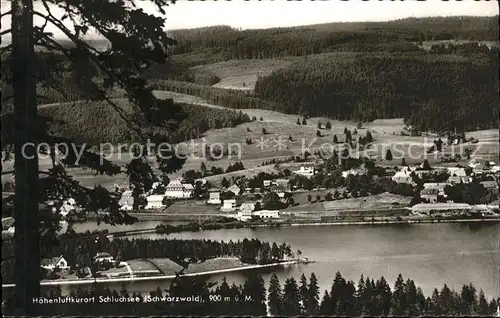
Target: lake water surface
430,254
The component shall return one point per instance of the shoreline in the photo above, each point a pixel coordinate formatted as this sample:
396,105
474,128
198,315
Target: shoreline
160,277
317,223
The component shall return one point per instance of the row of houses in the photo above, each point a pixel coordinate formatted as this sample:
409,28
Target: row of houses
456,174
451,209
279,186
176,189
59,262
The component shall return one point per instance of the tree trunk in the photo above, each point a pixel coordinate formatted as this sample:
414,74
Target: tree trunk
27,238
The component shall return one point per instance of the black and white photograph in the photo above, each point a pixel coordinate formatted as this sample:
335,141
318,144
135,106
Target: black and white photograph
250,158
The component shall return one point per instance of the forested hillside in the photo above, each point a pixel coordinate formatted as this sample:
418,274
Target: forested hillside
392,36
97,122
432,92
356,71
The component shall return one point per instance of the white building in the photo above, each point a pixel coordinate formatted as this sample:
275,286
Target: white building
432,209
103,257
54,262
244,215
306,171
214,196
432,190
354,172
126,202
282,182
267,214
178,190
234,189
155,201
456,171
403,176
495,169
228,205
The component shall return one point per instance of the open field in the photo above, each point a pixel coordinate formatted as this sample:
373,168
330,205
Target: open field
242,74
141,265
166,265
381,201
214,264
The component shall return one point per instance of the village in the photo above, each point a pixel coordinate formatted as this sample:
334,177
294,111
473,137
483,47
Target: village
272,197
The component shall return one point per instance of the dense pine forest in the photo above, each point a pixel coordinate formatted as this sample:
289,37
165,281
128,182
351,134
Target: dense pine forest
96,122
392,36
294,298
430,92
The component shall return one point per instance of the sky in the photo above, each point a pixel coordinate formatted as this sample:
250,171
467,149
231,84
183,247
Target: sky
280,13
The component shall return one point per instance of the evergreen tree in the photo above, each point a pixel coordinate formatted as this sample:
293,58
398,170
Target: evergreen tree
483,309
369,137
203,169
275,297
335,140
360,292
388,155
264,131
318,133
298,121
120,65
325,308
224,183
348,136
255,288
403,162
291,305
410,291
261,119
426,165
312,302
304,122
435,308
446,301
303,293
398,297
328,125
384,294
309,198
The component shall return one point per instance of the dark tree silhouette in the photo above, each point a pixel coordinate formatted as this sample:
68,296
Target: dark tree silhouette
140,42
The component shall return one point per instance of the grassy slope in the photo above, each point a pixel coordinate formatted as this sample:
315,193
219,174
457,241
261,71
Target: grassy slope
241,74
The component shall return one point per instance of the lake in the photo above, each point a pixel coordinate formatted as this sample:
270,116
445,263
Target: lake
430,254
142,225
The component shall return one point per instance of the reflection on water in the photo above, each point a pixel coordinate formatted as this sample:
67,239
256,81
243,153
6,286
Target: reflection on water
430,254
